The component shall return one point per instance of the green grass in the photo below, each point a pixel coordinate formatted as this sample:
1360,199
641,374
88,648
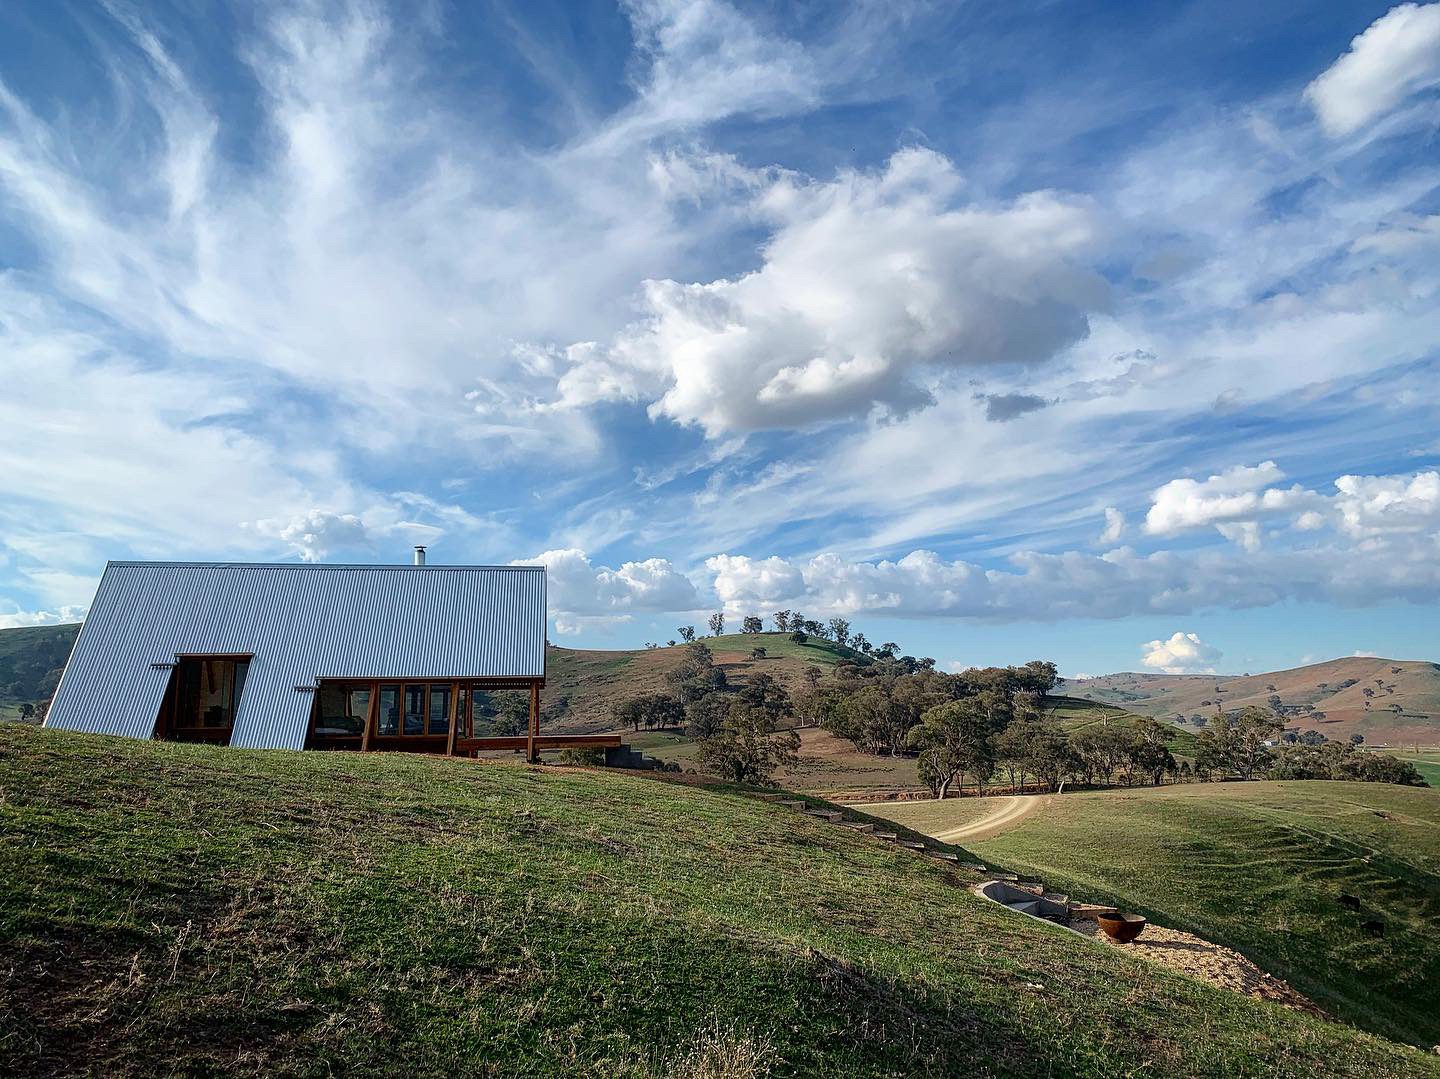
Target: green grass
1076,714
777,645
1426,761
1258,866
198,910
932,817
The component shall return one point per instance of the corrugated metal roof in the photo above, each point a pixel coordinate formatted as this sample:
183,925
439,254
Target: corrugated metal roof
301,622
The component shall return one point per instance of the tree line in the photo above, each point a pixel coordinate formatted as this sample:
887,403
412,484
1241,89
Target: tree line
981,726
799,628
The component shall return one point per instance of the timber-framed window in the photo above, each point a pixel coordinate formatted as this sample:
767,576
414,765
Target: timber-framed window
202,698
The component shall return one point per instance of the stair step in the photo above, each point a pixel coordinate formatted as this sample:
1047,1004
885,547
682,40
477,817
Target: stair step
945,855
976,866
1006,876
826,814
793,803
886,835
912,844
859,826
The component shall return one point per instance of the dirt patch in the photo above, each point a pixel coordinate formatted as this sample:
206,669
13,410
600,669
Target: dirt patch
1204,959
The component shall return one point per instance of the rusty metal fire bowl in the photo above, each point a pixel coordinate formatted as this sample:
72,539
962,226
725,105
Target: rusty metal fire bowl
1121,928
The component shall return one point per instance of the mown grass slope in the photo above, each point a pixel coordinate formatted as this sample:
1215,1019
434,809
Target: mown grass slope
1259,867
191,909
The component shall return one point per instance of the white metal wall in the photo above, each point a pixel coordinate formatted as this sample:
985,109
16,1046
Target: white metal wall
301,623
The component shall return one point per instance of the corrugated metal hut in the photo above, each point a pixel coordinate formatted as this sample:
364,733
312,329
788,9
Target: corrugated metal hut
293,656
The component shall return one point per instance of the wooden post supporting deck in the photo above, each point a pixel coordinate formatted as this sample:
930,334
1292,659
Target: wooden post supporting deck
531,753
370,717
454,717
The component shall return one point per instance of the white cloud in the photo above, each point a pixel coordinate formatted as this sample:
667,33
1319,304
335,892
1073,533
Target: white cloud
1073,584
1231,501
1183,653
315,534
16,618
1114,526
1373,505
1396,56
578,590
704,61
867,283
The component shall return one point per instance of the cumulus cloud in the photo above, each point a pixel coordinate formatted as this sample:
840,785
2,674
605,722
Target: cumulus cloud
1373,505
1232,501
1073,584
17,617
1396,56
315,534
1114,526
579,590
1183,653
866,282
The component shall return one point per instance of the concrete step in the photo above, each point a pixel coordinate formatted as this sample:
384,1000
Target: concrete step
912,844
886,835
1012,877
793,803
976,866
859,826
826,814
945,855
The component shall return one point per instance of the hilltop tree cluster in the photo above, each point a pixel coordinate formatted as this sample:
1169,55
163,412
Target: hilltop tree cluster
969,727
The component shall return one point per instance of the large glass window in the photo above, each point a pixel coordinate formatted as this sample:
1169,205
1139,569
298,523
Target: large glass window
439,709
414,710
388,716
343,711
202,698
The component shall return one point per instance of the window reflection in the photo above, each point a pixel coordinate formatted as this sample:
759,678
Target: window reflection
439,709
414,710
389,713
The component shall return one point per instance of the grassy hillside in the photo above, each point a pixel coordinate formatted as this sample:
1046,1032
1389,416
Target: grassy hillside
581,685
1076,714
200,909
1258,866
1403,705
31,659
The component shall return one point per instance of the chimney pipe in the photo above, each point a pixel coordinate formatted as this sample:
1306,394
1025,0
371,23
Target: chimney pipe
419,555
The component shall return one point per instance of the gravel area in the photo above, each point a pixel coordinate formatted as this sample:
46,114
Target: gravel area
1201,958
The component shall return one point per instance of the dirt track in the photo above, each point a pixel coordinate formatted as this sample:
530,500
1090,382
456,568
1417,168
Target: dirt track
1015,809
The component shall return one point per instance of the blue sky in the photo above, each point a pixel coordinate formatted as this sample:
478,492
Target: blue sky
1107,334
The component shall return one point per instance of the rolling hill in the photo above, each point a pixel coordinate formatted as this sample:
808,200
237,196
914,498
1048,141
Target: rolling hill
1385,700
581,685
1259,867
247,912
31,659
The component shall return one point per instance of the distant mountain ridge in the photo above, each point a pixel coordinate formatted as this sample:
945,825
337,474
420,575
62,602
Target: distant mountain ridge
1385,700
